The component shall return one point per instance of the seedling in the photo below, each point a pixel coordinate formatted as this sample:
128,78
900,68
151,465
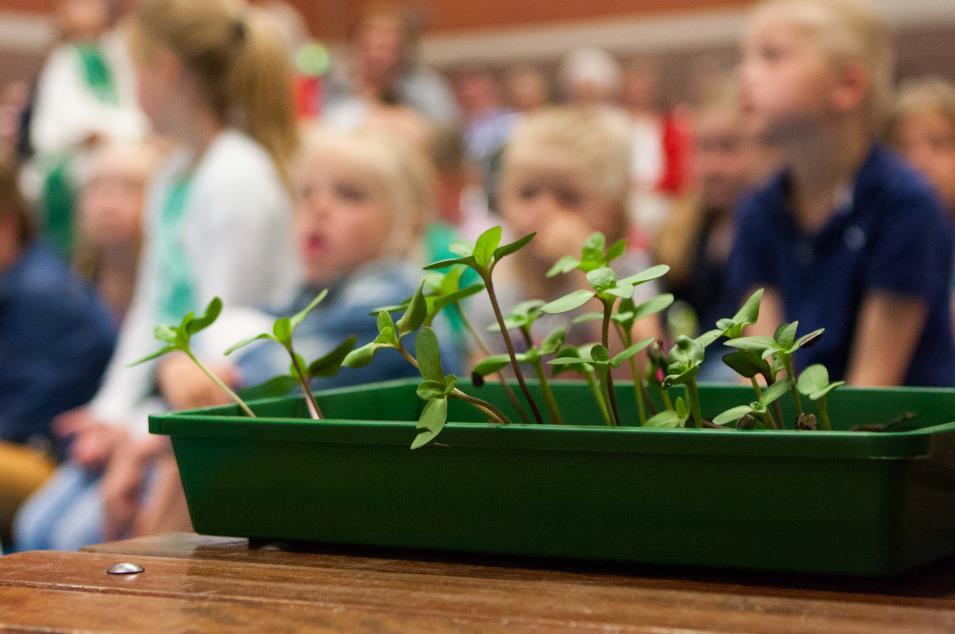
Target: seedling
782,345
585,369
391,333
758,409
522,318
483,257
283,331
599,357
623,320
683,365
814,383
593,256
671,418
179,338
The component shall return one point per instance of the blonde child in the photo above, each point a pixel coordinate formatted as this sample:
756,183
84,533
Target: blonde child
922,128
218,223
566,174
847,237
109,228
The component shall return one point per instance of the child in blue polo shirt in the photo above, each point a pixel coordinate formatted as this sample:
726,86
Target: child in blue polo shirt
847,237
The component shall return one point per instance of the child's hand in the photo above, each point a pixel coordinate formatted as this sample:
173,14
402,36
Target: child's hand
185,386
122,483
94,445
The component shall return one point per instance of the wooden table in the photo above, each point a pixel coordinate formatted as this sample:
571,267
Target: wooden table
195,583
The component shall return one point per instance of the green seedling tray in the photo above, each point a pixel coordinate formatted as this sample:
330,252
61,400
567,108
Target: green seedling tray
860,503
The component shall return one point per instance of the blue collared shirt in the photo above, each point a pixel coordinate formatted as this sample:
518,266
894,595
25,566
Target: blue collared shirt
889,234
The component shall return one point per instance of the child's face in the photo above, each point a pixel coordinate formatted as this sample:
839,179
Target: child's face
111,205
722,158
786,79
560,206
343,218
927,140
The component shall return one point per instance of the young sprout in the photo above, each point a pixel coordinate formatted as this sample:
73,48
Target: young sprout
587,370
593,255
178,337
671,418
282,332
758,409
483,258
814,383
623,320
599,357
436,387
750,365
782,346
683,365
522,318
391,333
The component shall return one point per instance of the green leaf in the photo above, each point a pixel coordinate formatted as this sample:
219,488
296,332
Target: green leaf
274,387
749,311
300,316
390,309
569,360
442,301
247,341
686,351
809,338
486,245
517,245
652,306
415,314
667,419
461,248
709,337
440,264
681,408
616,250
759,345
208,317
599,354
623,291
165,333
747,364
360,357
432,420
733,414
154,355
282,329
554,340
775,391
587,317
430,389
428,354
331,363
619,358
568,302
564,265
651,273
491,364
385,322
602,279
785,335
815,396
813,379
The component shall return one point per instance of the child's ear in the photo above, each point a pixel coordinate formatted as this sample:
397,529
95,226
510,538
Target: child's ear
852,86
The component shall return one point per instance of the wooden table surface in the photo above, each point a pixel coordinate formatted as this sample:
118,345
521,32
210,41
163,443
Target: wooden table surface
198,584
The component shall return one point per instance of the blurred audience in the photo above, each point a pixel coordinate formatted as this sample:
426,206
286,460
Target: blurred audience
527,88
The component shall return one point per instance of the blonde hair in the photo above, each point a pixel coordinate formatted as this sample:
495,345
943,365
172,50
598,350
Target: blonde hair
590,142
848,31
919,95
405,175
239,58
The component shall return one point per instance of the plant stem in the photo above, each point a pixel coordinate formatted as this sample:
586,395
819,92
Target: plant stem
546,392
410,359
665,395
225,388
592,382
496,415
824,413
646,399
781,424
693,395
313,409
759,394
627,340
788,362
605,339
489,287
516,402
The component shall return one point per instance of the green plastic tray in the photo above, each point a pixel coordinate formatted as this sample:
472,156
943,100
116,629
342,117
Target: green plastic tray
862,503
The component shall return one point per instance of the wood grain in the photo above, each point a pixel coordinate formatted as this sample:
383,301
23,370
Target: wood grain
209,583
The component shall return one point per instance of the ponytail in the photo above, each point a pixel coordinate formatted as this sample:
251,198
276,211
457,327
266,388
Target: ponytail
239,59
